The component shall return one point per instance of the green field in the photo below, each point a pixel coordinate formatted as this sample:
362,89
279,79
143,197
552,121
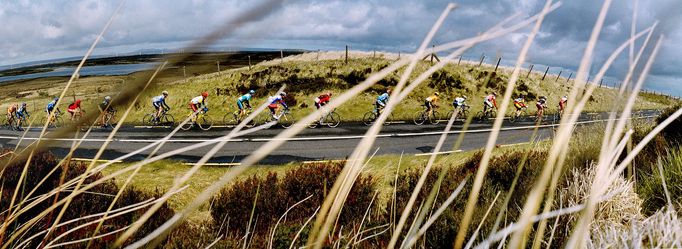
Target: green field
307,78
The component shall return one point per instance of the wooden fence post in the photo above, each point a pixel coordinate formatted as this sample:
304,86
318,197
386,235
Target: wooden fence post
600,82
346,61
281,56
481,62
557,77
569,77
498,63
460,60
529,71
249,63
218,63
544,75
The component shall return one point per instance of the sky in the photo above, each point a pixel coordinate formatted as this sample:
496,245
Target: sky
33,30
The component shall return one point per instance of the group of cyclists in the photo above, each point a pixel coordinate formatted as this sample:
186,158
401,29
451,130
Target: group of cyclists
489,103
18,113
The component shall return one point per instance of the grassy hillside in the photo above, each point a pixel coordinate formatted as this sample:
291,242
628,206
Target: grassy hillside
308,75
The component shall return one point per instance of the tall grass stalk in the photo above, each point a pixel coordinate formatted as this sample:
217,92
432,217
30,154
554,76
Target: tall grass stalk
580,230
274,229
560,144
4,226
480,224
420,183
293,241
342,185
555,178
490,144
138,224
441,209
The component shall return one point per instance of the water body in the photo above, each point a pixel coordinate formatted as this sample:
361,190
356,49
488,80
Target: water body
122,69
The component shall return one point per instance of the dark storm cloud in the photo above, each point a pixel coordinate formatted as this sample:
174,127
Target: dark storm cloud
34,30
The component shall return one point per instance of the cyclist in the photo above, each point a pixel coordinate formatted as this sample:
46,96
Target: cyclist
381,101
22,113
245,100
51,106
74,108
274,100
159,104
490,102
323,99
105,107
198,102
519,103
431,102
458,103
562,104
11,113
541,105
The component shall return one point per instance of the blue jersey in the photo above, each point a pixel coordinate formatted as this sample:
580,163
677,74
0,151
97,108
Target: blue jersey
245,98
159,99
382,98
51,104
22,111
277,99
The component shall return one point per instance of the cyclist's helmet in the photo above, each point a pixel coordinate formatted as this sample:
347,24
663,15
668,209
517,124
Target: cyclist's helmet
56,99
330,94
283,94
164,92
565,97
495,94
107,98
252,91
388,91
436,93
204,94
464,97
78,101
23,104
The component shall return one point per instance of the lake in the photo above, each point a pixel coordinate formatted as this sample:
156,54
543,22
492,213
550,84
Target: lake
121,69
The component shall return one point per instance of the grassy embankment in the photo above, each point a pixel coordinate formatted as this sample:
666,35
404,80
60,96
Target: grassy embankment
306,77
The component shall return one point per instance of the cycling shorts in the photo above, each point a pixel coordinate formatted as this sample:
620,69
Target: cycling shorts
240,105
518,105
428,104
539,106
488,103
71,110
20,115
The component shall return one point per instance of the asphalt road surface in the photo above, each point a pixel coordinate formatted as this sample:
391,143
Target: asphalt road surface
311,144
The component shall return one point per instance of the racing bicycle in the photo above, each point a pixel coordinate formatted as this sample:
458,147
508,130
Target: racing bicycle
331,119
201,119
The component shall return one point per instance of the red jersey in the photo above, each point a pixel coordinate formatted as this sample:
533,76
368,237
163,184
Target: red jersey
324,98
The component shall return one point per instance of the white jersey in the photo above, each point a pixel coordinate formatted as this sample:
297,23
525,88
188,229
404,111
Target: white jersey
198,100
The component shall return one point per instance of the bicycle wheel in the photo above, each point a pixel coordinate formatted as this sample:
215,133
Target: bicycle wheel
205,122
230,119
110,120
419,117
285,121
315,123
480,117
463,114
167,119
188,125
369,118
389,120
148,119
433,119
333,120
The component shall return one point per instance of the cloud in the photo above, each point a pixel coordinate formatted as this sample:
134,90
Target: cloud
43,29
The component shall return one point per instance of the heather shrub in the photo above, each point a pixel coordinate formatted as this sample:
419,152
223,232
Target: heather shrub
501,173
274,194
95,200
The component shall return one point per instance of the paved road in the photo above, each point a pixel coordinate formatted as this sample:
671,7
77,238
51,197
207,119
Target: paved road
311,144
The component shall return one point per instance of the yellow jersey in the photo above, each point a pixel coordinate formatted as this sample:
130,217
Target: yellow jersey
432,99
